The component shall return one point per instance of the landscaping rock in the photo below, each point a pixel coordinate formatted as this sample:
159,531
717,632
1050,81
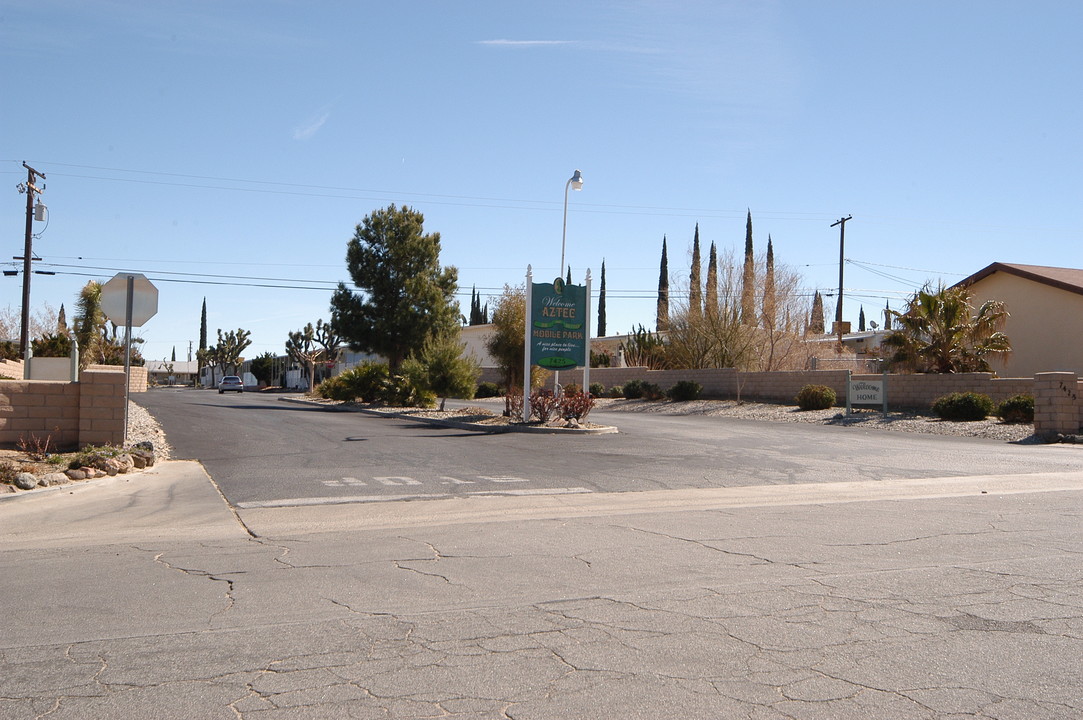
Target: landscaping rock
75,474
26,481
53,479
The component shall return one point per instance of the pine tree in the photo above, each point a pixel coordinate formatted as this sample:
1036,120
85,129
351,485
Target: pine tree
405,297
661,322
816,321
748,278
710,296
861,319
769,288
695,291
601,304
61,322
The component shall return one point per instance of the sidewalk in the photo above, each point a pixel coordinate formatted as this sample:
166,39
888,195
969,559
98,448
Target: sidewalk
908,599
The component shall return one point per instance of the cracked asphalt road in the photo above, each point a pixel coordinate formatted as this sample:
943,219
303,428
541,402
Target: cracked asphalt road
147,598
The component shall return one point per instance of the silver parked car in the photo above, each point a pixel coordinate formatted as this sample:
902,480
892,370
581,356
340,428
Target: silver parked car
230,382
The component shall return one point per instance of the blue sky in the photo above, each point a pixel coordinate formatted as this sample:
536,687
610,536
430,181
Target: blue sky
233,145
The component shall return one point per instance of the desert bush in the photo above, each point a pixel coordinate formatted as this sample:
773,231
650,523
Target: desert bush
633,389
8,471
597,389
543,403
513,404
684,391
576,407
815,397
572,389
487,390
965,406
1017,409
617,391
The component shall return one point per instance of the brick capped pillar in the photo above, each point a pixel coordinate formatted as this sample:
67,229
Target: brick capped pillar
1056,403
101,407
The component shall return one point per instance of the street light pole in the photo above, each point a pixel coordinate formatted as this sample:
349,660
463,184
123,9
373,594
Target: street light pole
576,181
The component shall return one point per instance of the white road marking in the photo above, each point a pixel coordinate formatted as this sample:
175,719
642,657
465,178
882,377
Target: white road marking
539,491
503,478
445,480
396,480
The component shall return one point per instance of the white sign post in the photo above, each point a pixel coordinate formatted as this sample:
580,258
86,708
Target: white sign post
129,299
866,392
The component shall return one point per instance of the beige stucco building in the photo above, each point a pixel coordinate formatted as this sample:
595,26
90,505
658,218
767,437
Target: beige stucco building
1045,305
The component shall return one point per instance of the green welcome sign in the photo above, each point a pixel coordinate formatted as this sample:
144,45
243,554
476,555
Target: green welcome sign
558,325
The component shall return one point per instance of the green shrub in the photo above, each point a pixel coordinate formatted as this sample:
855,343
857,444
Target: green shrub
1018,409
967,406
335,388
597,389
410,388
488,390
815,397
617,391
633,389
684,391
572,389
361,382
652,392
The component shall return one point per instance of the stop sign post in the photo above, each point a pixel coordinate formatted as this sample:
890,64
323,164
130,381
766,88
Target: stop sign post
129,299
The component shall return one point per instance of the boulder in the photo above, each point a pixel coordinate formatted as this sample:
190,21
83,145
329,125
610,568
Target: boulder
76,474
26,481
56,478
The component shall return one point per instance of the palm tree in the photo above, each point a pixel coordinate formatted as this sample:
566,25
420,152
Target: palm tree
941,332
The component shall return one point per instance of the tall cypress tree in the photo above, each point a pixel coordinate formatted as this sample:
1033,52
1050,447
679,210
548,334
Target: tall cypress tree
174,354
661,321
569,280
769,288
887,315
748,278
695,291
816,320
861,319
601,304
710,295
203,327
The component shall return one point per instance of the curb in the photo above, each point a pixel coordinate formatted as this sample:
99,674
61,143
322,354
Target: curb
72,485
485,429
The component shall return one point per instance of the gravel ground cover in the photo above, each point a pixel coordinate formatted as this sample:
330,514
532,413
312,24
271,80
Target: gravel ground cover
488,412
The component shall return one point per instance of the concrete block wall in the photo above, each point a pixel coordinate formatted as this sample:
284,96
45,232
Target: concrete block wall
90,412
38,410
140,377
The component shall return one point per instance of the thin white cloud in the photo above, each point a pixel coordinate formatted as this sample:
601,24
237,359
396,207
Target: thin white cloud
311,126
523,43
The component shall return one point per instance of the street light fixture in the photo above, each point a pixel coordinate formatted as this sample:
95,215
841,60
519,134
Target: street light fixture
575,181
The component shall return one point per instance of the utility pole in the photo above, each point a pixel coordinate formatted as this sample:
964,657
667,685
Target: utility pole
842,259
28,254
